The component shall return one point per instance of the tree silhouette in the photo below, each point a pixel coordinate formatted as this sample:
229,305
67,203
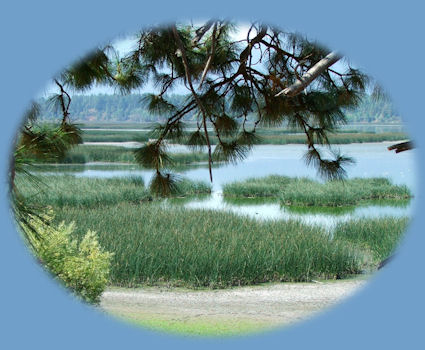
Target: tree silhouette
228,80
233,86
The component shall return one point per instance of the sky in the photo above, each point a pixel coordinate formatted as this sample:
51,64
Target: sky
123,45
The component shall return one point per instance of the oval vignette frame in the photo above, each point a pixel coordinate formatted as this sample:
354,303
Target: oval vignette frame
386,313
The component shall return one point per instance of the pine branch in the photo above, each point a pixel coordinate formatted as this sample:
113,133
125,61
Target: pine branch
200,32
310,75
329,169
195,95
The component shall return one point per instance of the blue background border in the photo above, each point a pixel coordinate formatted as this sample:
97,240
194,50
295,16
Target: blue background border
39,38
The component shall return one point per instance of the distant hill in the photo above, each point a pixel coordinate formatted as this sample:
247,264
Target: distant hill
132,108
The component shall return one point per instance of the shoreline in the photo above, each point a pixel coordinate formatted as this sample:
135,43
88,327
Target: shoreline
226,312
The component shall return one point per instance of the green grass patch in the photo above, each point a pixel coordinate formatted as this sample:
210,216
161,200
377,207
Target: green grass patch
88,153
379,236
186,187
307,192
342,193
268,136
195,248
155,243
82,154
66,190
114,136
209,327
111,125
337,138
269,186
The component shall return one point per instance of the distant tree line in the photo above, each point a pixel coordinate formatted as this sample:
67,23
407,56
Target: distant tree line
107,108
134,108
372,110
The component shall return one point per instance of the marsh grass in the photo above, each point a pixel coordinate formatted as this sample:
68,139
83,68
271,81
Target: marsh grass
266,136
269,186
153,244
337,138
342,193
67,190
82,154
380,236
346,209
116,125
307,192
114,136
186,187
88,153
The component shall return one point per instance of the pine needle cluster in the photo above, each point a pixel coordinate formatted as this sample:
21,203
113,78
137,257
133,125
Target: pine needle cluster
232,87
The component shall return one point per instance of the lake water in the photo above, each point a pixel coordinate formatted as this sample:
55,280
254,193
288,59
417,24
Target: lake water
372,160
376,128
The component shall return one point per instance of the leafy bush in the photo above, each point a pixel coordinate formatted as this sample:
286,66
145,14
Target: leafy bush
81,265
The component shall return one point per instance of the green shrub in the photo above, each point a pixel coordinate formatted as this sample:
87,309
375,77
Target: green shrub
82,266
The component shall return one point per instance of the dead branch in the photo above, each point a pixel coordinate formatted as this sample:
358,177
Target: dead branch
310,75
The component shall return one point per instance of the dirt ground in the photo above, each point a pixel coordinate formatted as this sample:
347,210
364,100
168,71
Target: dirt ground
260,307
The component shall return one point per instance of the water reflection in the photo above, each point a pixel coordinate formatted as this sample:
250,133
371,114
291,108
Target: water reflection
270,209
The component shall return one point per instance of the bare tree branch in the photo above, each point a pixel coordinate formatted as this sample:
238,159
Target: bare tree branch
401,147
208,64
310,75
64,105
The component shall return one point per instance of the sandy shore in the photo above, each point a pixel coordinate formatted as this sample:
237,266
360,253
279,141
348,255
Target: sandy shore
266,306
